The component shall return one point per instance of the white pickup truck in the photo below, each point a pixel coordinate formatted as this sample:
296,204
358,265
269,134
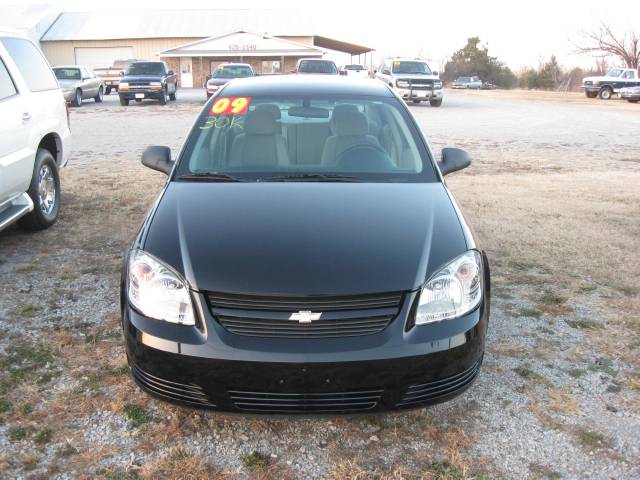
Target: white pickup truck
615,79
34,135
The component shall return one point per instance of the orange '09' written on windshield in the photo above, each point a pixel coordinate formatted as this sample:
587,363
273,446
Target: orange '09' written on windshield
230,105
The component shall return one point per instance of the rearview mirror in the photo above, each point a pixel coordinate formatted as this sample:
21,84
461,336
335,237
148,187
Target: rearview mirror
158,158
453,159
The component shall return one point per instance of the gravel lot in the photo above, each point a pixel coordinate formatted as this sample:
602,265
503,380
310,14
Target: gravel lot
553,195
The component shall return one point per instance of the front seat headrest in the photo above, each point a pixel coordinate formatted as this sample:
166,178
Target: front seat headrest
270,107
260,122
347,122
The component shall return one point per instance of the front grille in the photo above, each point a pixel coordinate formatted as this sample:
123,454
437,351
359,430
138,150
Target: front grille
261,316
138,84
190,394
426,392
336,402
418,84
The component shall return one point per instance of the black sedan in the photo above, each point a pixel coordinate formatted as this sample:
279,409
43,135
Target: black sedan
305,256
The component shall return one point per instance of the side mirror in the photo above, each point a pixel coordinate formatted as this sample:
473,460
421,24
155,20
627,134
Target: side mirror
170,72
158,158
343,72
375,71
121,73
435,73
386,72
453,159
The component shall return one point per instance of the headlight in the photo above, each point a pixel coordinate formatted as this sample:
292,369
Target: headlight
454,290
155,84
437,84
596,82
403,84
123,85
157,291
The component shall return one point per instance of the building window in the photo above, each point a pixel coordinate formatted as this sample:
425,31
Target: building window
271,67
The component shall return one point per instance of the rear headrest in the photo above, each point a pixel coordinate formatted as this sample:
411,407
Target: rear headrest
260,122
270,107
347,122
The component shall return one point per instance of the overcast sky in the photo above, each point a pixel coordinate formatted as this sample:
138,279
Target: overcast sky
519,33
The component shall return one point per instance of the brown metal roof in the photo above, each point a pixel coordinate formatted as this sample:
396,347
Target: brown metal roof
339,45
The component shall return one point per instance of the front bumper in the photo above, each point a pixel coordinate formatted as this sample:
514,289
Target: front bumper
146,93
415,94
630,95
210,367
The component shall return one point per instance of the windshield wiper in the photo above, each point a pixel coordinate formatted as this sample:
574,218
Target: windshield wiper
312,177
210,177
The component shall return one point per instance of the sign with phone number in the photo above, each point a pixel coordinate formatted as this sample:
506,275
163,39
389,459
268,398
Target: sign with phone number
230,106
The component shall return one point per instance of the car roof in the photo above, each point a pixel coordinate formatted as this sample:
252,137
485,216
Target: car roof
305,85
68,66
407,59
312,59
235,64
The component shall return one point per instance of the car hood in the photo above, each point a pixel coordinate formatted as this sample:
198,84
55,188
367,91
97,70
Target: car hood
600,78
414,76
305,238
218,81
141,78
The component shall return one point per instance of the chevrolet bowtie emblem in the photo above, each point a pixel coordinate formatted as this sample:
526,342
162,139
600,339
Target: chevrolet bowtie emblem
305,316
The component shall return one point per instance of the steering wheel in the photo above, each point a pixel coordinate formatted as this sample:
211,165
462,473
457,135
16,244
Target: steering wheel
364,157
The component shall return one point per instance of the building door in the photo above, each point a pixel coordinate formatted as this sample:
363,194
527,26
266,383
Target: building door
186,73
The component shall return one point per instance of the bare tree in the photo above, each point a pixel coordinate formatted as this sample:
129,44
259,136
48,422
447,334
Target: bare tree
602,42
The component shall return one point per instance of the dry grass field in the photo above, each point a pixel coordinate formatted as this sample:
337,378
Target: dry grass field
554,200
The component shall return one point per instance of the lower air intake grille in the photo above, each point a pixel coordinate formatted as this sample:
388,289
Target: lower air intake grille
191,394
426,392
305,317
339,402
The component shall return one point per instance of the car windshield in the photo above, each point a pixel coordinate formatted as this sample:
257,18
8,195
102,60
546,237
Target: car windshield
616,72
305,138
67,73
354,67
401,66
463,79
233,71
145,68
317,66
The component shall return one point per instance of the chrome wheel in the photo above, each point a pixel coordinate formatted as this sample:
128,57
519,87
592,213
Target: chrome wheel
46,190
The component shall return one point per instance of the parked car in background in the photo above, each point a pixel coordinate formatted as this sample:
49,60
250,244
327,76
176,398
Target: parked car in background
473,82
147,80
333,274
316,66
615,79
34,135
412,79
488,86
226,72
355,70
630,94
79,83
111,75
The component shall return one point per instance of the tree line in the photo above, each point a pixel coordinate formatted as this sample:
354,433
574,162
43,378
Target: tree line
602,43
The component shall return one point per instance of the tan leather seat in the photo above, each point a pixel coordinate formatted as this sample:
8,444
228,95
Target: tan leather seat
261,144
350,129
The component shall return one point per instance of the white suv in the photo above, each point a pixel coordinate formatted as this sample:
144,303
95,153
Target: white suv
412,79
34,135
